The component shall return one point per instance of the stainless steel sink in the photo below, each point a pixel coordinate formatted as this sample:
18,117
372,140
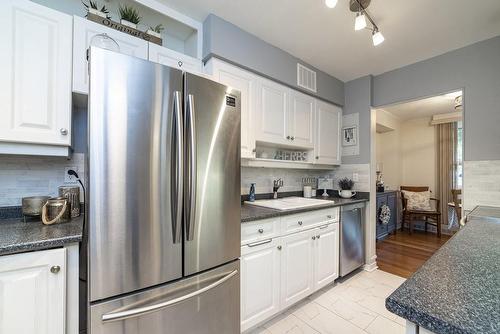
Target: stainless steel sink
290,203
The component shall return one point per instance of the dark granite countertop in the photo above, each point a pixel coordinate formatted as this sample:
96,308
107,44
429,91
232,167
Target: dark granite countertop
16,236
458,289
251,212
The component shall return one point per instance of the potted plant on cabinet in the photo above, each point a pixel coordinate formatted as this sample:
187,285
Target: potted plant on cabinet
155,31
129,16
346,186
92,8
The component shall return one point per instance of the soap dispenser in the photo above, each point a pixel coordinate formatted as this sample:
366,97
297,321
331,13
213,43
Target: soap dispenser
251,196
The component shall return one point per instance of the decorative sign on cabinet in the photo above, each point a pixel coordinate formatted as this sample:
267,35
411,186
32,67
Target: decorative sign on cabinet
284,260
35,86
389,199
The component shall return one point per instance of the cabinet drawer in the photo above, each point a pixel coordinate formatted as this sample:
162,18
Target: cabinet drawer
300,221
259,230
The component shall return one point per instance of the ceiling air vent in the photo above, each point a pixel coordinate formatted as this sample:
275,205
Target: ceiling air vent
306,78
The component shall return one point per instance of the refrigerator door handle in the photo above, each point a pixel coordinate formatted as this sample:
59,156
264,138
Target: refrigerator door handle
176,198
191,177
136,312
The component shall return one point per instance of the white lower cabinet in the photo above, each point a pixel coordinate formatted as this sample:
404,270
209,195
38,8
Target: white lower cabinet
260,285
279,271
32,292
326,255
296,268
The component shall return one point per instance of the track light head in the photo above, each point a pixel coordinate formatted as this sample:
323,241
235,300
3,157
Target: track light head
331,3
360,22
377,37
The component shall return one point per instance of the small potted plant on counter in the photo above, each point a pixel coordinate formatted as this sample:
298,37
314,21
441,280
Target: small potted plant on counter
155,31
129,16
346,186
92,8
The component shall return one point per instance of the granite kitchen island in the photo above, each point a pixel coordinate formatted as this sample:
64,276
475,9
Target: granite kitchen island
458,289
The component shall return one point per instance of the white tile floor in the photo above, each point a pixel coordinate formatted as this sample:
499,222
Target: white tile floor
353,305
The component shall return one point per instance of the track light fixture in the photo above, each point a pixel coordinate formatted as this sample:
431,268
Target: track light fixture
359,7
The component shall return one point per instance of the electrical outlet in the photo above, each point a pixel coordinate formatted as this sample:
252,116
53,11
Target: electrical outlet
355,177
70,178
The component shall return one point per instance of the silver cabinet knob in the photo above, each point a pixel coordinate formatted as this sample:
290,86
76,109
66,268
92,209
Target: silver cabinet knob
317,237
64,131
279,247
299,222
292,138
55,269
329,216
288,137
261,231
314,238
254,150
180,63
317,157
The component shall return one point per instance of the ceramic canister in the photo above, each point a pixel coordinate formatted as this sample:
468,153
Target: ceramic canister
72,193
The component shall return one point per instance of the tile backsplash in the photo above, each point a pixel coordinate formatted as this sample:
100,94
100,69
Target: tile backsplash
22,176
292,178
481,183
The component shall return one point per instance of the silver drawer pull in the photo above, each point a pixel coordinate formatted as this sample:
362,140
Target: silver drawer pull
258,243
55,269
329,216
261,231
317,237
299,222
314,238
279,247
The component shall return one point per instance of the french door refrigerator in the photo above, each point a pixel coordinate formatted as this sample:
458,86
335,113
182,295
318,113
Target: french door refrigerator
164,200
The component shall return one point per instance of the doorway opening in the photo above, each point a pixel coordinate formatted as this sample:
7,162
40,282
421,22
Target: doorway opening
418,157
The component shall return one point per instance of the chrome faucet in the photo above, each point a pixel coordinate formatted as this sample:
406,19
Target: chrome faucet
276,185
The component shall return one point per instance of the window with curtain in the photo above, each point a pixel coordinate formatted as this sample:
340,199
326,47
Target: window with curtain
458,163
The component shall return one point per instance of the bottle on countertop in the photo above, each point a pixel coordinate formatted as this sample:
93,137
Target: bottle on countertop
251,195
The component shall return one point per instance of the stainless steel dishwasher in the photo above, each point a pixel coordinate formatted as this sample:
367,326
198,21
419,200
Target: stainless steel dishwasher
352,241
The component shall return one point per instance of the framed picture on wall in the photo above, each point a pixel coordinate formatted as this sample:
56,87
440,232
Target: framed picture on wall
350,136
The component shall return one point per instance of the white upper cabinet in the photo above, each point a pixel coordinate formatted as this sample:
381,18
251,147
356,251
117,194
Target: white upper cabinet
296,267
164,56
35,85
32,292
84,30
326,255
328,123
246,83
260,282
301,126
272,115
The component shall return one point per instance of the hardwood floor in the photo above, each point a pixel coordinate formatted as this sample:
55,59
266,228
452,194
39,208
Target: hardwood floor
402,254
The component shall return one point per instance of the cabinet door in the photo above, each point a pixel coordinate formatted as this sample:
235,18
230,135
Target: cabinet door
32,298
326,255
245,83
301,119
35,85
260,274
84,30
296,267
327,145
164,56
273,119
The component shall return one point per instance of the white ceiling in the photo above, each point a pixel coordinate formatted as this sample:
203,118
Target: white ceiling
325,38
424,108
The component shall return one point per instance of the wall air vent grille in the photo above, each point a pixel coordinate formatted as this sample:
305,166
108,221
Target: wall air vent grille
306,78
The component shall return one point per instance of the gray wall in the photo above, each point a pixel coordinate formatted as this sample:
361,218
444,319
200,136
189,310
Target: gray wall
476,69
226,41
358,100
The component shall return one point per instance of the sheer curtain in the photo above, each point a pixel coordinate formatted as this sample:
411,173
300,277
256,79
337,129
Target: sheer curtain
447,135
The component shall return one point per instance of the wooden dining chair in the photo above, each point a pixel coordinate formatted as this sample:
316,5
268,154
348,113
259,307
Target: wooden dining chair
431,217
457,202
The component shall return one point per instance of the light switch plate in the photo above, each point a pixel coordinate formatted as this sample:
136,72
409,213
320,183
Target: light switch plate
355,177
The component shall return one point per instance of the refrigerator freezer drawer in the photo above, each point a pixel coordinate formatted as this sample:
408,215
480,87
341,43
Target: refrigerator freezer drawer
205,303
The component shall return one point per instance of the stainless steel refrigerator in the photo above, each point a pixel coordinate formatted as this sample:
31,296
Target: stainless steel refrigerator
164,200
